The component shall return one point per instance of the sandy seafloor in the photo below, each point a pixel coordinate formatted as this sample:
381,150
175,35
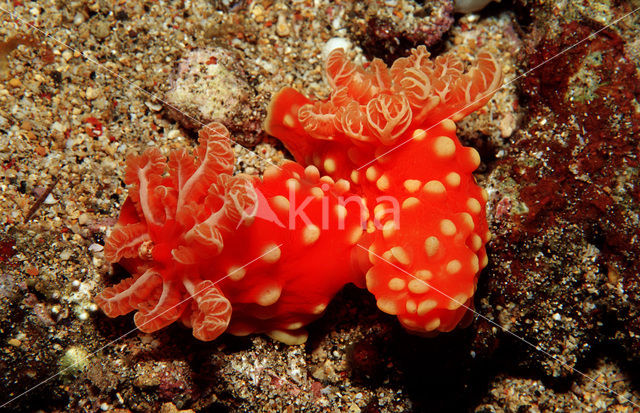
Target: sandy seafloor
93,83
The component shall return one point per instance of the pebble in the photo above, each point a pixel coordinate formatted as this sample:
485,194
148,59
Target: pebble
148,374
65,255
335,43
153,106
67,55
282,27
91,93
173,134
78,19
32,271
15,82
83,218
50,200
14,342
258,13
354,408
319,374
96,247
101,30
507,125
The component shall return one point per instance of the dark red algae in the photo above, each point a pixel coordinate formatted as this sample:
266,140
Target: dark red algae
7,249
593,88
560,260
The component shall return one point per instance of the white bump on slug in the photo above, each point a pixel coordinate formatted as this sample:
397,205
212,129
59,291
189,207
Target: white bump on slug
418,286
444,147
329,165
452,179
310,234
426,305
447,227
431,246
412,185
371,173
293,184
418,135
236,273
434,188
280,202
312,173
383,183
396,284
401,255
271,253
289,121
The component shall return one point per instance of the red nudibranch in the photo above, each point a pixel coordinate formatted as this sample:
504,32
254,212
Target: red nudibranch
229,253
235,253
390,132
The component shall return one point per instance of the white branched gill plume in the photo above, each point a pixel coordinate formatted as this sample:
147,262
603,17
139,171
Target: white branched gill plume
381,103
241,203
389,116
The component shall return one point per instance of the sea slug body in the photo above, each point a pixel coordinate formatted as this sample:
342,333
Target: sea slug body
382,195
223,252
390,132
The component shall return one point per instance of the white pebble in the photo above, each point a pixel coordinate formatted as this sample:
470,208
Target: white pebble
95,247
78,19
173,133
153,106
335,43
50,200
83,218
91,93
65,255
57,126
469,6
